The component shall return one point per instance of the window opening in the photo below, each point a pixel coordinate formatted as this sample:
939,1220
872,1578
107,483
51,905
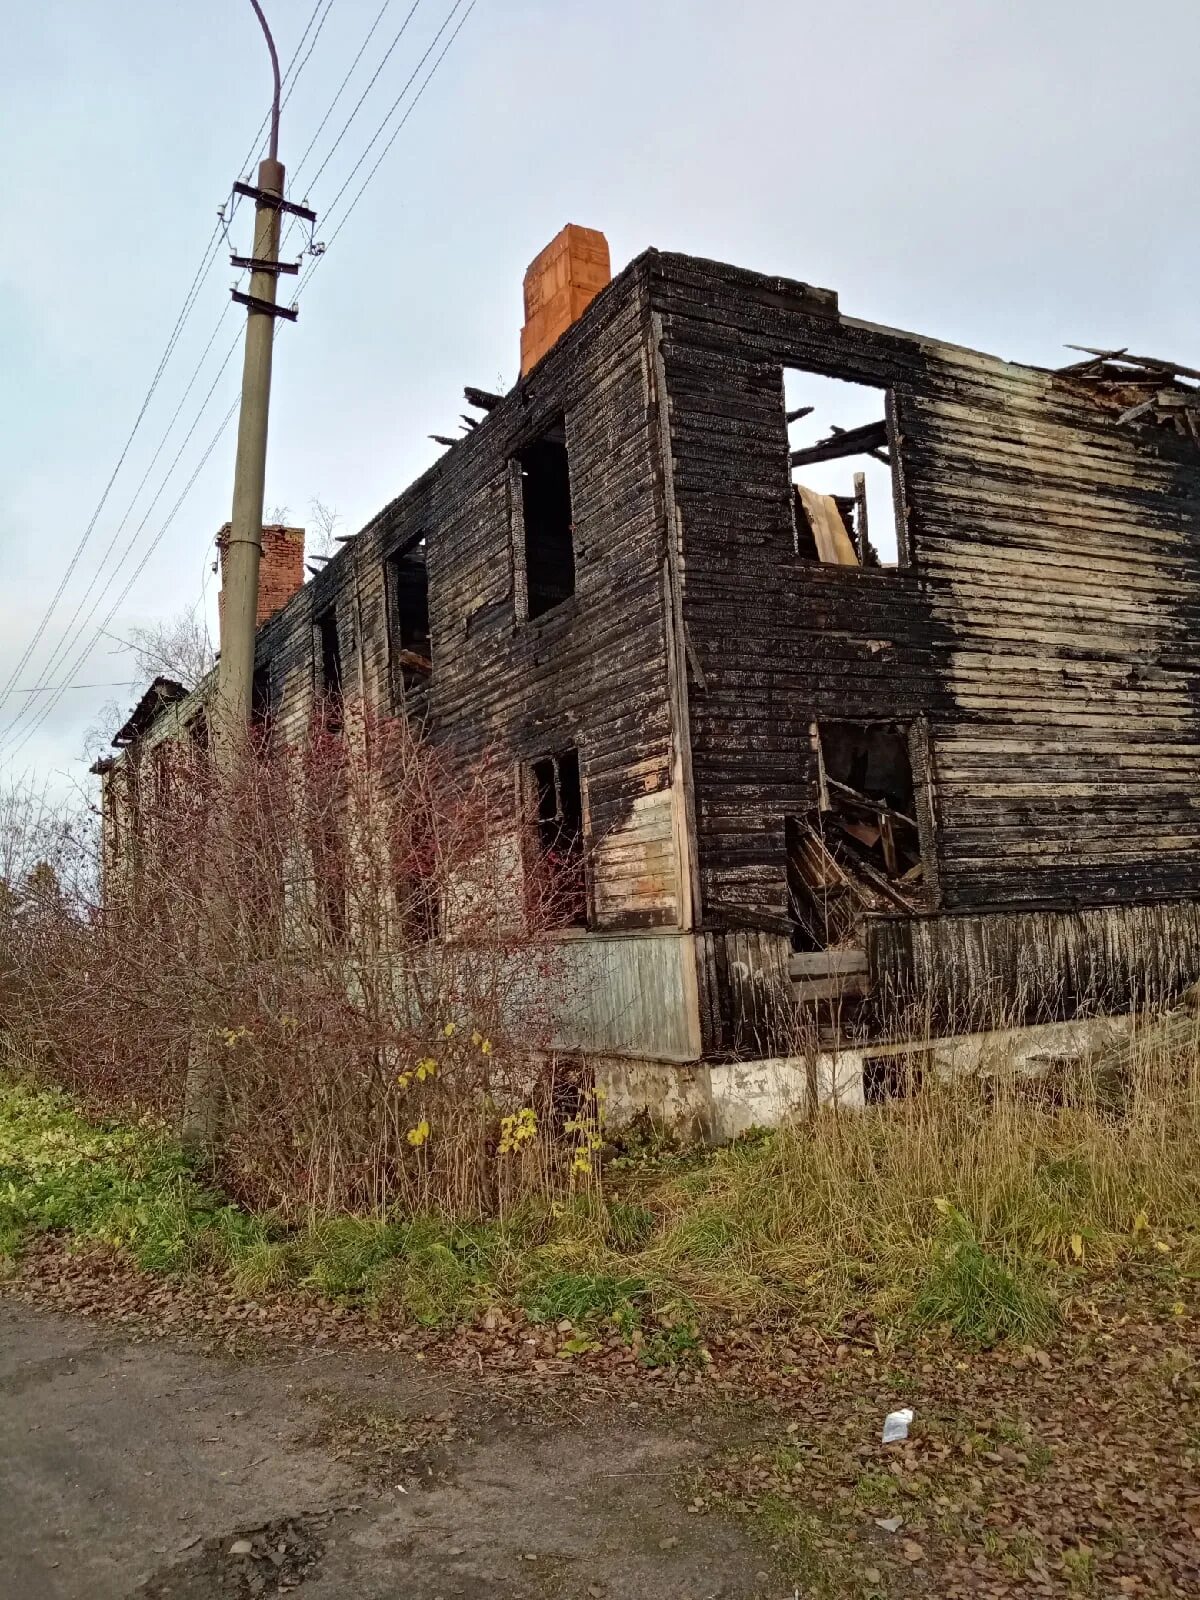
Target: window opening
559,794
892,1077
548,523
859,851
331,669
412,648
843,497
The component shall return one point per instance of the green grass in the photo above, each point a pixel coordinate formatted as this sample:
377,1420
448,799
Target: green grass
110,1184
581,1297
951,1213
979,1297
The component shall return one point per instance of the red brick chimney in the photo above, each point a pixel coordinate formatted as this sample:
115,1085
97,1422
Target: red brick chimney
280,571
559,286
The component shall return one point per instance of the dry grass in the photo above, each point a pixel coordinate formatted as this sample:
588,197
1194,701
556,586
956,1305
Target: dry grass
977,1202
982,1206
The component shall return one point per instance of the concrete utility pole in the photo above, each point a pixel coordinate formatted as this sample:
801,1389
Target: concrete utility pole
235,671
229,713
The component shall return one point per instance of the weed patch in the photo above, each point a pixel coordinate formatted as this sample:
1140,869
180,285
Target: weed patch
977,1296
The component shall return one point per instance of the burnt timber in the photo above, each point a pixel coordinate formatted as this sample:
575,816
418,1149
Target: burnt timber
1036,644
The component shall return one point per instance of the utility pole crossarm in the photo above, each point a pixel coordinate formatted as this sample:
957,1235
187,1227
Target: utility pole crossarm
251,264
265,197
253,303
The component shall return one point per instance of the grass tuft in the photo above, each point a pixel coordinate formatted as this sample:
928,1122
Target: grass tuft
978,1297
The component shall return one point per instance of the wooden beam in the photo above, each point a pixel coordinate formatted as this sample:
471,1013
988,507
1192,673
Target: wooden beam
826,963
850,442
482,399
1153,362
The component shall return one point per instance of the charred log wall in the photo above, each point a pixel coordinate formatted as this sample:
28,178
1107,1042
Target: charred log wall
970,971
1046,627
506,690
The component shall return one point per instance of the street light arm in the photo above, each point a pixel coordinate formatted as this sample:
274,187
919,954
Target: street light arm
273,152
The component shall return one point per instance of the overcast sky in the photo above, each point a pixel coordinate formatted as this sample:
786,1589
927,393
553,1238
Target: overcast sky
1008,174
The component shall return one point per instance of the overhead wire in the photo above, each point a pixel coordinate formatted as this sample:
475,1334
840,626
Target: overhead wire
342,86
133,577
65,642
189,300
111,683
333,204
292,74
208,255
358,103
46,710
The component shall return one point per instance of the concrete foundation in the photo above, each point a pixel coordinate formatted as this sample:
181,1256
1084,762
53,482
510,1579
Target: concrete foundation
719,1101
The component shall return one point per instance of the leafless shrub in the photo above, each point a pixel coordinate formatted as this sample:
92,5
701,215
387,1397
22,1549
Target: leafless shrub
335,947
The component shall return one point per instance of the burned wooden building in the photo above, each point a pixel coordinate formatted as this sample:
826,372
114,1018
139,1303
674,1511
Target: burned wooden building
862,667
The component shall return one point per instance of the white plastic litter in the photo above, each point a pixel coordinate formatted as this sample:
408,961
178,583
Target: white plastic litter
896,1425
889,1524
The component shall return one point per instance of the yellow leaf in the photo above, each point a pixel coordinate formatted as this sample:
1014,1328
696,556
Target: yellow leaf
943,1207
1141,1223
1077,1246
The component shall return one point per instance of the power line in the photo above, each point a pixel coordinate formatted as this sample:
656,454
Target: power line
180,320
395,132
207,257
341,87
46,710
64,643
137,572
11,729
358,103
61,688
294,69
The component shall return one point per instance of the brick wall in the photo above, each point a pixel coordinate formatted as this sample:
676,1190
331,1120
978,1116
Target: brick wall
280,571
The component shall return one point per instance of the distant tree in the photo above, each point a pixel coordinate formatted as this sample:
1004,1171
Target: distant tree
322,535
178,648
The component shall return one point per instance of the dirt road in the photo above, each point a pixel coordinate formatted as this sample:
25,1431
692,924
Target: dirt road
141,1470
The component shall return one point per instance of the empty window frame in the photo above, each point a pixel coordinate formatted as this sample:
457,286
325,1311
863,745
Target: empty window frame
329,669
858,851
411,646
547,522
843,486
559,873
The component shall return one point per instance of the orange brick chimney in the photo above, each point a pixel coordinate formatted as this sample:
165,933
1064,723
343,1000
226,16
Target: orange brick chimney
280,570
559,286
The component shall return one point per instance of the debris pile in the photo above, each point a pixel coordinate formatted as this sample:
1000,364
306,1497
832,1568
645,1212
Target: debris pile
1140,388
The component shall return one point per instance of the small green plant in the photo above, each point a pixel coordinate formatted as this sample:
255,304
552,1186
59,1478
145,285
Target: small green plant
876,1491
976,1295
1080,1567
345,1256
676,1346
581,1297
